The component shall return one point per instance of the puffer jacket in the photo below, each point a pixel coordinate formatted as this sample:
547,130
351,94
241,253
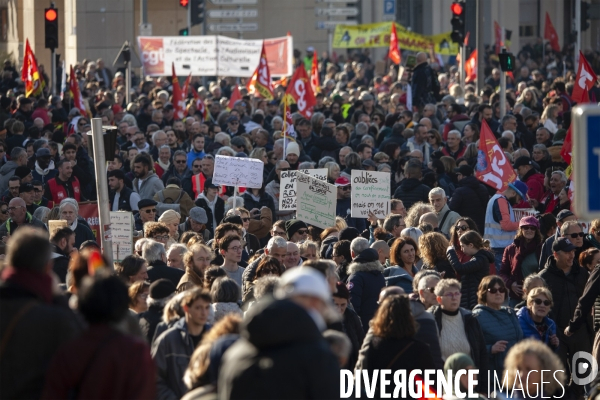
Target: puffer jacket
365,281
529,329
397,276
498,325
411,191
474,337
471,273
510,270
470,199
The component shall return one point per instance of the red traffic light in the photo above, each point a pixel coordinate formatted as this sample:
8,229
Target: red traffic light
456,8
184,3
51,14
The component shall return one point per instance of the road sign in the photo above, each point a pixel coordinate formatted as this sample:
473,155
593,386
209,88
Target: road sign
586,161
233,2
337,12
243,27
249,13
389,7
145,29
333,24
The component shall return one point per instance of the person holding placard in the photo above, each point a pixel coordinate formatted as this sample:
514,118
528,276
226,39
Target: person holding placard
344,204
212,204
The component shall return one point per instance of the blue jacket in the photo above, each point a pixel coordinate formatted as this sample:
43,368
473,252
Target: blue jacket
529,329
397,276
193,155
498,325
365,281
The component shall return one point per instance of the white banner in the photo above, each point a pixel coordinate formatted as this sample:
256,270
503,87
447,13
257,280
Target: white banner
370,192
213,55
287,187
238,171
121,228
316,201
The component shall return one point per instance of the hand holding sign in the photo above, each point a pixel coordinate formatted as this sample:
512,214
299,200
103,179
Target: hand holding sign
237,171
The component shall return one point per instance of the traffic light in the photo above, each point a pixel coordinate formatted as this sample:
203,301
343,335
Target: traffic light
51,27
585,16
184,3
507,61
196,11
458,22
184,32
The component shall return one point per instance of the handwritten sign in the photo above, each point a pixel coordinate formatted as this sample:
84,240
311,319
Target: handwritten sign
121,226
287,187
238,171
370,192
316,201
56,225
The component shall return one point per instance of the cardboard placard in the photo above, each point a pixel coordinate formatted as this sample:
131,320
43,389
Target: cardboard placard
56,225
316,201
121,228
238,171
370,192
287,187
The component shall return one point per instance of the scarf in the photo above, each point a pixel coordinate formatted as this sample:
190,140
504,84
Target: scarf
524,249
44,172
39,283
165,167
592,240
74,226
194,277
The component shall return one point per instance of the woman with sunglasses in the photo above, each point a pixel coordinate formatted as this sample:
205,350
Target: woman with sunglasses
499,324
521,258
462,225
534,319
471,272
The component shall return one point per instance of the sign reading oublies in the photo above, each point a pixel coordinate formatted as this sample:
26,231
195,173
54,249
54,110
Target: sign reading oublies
238,171
370,192
121,226
316,201
287,187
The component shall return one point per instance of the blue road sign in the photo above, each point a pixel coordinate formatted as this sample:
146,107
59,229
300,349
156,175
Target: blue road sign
389,7
586,161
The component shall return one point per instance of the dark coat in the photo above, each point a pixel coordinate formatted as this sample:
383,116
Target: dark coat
285,334
411,191
61,263
325,146
264,201
365,281
83,233
158,269
343,209
219,211
471,273
150,319
470,199
422,85
589,299
352,327
510,270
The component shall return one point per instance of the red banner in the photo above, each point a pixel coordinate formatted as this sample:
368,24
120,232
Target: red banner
394,50
89,211
493,168
301,91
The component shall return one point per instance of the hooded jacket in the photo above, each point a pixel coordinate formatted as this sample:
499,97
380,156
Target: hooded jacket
6,172
365,281
470,199
529,329
411,191
325,146
471,273
275,357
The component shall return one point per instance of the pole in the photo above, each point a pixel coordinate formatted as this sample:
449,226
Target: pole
463,56
240,21
53,64
128,83
189,18
144,11
102,187
480,46
329,35
503,90
578,31
204,80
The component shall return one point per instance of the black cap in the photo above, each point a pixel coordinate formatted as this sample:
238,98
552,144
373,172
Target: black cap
146,203
563,244
162,288
564,214
26,187
523,160
464,170
22,171
208,184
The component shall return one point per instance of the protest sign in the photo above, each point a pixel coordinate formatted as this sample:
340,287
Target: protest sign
316,201
121,227
56,225
370,192
287,187
214,55
238,171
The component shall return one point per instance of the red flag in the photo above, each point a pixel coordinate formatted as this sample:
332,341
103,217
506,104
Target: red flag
394,51
498,36
301,92
235,96
260,83
493,168
178,99
550,34
75,93
186,86
466,41
471,67
314,74
585,80
200,106
30,74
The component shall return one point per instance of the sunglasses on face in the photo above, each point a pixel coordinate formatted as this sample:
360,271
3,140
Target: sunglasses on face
180,162
303,232
196,166
528,228
575,235
547,303
462,227
431,289
153,211
496,290
282,233
246,219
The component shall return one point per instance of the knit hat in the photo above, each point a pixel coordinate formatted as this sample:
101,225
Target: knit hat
349,233
162,288
457,362
520,188
293,148
294,225
199,215
169,217
22,171
529,221
342,291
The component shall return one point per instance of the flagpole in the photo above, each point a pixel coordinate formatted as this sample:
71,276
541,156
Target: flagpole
284,127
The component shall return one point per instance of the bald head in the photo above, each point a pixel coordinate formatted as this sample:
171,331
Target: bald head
390,291
429,218
425,121
17,210
421,58
16,202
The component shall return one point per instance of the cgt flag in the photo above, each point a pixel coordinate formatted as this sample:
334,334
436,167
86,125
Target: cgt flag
235,96
76,93
550,34
301,93
394,51
493,168
471,67
200,106
178,99
30,74
314,74
260,83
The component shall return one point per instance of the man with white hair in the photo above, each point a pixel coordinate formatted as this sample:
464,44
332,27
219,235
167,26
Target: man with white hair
156,256
276,248
175,256
454,146
69,210
446,217
292,256
357,246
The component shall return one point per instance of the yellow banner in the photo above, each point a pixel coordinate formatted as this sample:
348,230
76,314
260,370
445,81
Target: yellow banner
378,35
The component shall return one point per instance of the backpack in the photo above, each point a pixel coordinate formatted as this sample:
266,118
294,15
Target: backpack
168,203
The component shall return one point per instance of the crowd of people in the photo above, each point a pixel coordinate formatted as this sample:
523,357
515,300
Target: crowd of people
228,296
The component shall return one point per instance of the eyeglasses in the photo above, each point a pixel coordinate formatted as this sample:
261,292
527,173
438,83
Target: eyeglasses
453,294
431,289
282,233
528,228
302,231
462,227
180,161
162,237
196,166
496,290
574,235
234,123
246,219
153,211
14,208
547,303
235,248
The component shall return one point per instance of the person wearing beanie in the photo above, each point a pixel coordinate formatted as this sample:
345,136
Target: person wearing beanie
459,362
171,218
350,322
500,223
296,230
161,291
24,174
293,155
365,281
